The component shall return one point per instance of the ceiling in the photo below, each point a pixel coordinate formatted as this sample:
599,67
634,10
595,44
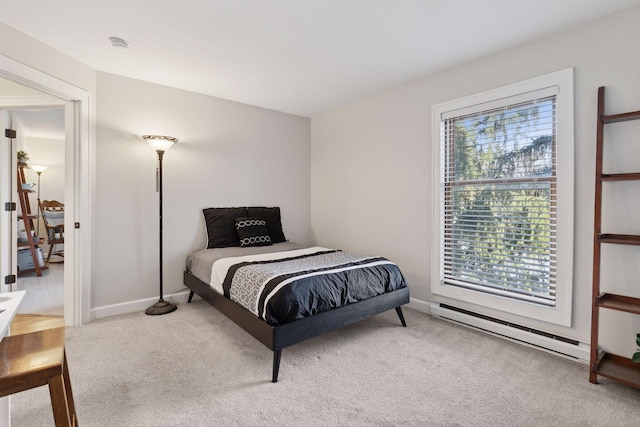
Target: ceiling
41,122
302,57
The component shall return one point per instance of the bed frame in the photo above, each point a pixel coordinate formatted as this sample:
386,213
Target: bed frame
277,337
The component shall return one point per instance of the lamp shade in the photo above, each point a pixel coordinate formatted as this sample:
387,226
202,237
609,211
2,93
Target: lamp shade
160,142
39,168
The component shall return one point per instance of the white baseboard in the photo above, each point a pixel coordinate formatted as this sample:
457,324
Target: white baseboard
419,305
134,306
579,350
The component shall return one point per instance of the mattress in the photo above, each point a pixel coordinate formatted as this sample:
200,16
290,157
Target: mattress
286,281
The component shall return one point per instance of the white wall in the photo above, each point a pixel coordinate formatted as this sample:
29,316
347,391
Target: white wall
20,145
48,152
229,154
370,161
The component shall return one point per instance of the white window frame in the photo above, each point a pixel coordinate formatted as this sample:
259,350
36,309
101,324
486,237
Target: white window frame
562,83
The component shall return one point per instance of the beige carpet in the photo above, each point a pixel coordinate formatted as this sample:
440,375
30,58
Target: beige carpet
194,367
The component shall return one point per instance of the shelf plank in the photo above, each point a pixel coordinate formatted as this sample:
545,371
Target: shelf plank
37,243
620,369
30,216
621,176
33,270
615,118
619,302
620,239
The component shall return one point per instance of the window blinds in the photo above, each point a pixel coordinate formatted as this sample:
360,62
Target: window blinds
498,198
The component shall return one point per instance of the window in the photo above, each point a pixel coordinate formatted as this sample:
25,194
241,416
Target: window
505,186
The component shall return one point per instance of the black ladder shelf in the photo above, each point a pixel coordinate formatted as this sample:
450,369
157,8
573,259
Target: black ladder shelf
602,363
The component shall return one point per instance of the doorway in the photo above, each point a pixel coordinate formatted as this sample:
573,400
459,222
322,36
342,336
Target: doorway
40,137
78,183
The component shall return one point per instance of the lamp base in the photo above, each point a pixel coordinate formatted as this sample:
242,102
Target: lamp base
161,307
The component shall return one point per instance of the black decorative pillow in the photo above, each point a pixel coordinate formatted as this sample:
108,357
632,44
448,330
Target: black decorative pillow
274,224
252,232
221,226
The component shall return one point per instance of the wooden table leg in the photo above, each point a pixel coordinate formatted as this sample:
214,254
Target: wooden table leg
59,402
69,392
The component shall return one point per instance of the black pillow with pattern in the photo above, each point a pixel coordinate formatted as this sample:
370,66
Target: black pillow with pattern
252,232
274,223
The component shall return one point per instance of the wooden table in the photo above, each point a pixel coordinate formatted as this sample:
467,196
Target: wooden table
33,355
9,302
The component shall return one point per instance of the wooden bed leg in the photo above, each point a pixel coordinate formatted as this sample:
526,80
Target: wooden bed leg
401,316
191,294
276,365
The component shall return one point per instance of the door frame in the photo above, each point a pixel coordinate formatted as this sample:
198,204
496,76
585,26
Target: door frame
79,183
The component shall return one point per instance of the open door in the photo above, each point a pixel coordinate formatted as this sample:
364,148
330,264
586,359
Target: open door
8,236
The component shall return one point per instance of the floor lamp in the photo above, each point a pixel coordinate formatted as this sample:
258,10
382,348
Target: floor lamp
39,169
161,144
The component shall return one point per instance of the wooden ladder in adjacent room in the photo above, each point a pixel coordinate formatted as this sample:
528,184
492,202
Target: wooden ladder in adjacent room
32,240
609,365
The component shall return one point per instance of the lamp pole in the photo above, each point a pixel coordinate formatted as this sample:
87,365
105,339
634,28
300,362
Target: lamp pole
39,169
160,144
38,220
160,154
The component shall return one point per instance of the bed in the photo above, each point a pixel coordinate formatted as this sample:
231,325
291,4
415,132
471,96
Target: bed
281,292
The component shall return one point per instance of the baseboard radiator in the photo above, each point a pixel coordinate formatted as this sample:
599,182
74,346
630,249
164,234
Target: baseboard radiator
512,331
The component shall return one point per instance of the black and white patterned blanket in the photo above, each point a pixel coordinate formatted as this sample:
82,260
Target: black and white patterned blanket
286,286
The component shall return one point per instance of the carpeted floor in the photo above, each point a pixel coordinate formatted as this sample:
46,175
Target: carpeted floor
194,367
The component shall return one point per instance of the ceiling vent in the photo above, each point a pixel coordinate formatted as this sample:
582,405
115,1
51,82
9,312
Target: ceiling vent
118,42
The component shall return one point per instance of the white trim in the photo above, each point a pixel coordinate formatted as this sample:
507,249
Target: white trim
136,306
41,102
81,159
561,314
500,100
419,305
8,237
